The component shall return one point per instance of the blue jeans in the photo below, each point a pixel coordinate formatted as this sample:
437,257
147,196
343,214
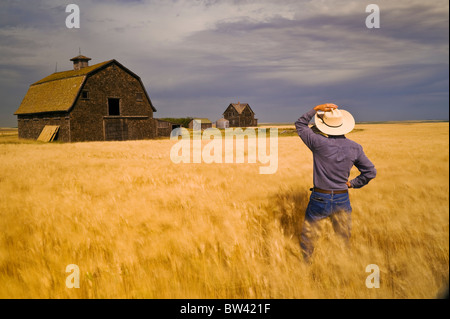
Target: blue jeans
321,206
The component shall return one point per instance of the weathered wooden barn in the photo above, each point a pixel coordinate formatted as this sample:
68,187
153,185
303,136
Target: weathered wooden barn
240,115
200,123
102,102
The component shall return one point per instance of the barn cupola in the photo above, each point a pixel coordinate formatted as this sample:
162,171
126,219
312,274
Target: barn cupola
80,62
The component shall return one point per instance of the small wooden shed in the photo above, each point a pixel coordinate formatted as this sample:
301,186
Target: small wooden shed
164,128
200,124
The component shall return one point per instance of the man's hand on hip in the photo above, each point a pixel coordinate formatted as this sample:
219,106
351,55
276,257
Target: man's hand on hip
325,107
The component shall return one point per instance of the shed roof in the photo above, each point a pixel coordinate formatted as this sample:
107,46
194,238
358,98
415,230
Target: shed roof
222,120
203,120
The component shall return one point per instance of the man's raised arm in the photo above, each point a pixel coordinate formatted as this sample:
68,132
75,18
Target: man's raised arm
306,134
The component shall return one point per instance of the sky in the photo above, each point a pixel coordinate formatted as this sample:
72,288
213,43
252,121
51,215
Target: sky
282,57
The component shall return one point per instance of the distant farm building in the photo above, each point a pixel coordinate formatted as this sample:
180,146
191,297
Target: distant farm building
164,128
200,124
240,115
102,102
222,123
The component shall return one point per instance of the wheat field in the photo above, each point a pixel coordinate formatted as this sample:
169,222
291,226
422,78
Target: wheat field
139,226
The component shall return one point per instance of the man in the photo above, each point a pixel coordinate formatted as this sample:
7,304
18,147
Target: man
334,155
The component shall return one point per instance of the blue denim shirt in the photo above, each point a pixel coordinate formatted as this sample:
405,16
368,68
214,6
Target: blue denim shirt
334,156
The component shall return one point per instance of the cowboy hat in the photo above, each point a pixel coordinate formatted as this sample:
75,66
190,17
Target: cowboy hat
334,122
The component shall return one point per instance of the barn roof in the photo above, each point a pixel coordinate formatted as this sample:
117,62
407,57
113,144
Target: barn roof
71,73
51,96
59,91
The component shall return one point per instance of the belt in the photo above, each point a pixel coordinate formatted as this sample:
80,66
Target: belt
318,190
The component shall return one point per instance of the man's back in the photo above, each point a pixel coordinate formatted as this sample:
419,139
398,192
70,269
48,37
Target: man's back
334,156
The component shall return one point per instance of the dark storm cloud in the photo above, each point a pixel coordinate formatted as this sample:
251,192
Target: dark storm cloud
36,13
384,76
282,57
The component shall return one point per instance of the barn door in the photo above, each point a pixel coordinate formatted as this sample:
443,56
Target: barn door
115,129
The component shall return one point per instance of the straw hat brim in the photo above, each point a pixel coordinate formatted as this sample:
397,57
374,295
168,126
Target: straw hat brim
347,126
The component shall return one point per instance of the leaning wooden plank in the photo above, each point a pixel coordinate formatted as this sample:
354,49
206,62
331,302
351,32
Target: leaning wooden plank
55,131
52,132
44,133
43,137
48,133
